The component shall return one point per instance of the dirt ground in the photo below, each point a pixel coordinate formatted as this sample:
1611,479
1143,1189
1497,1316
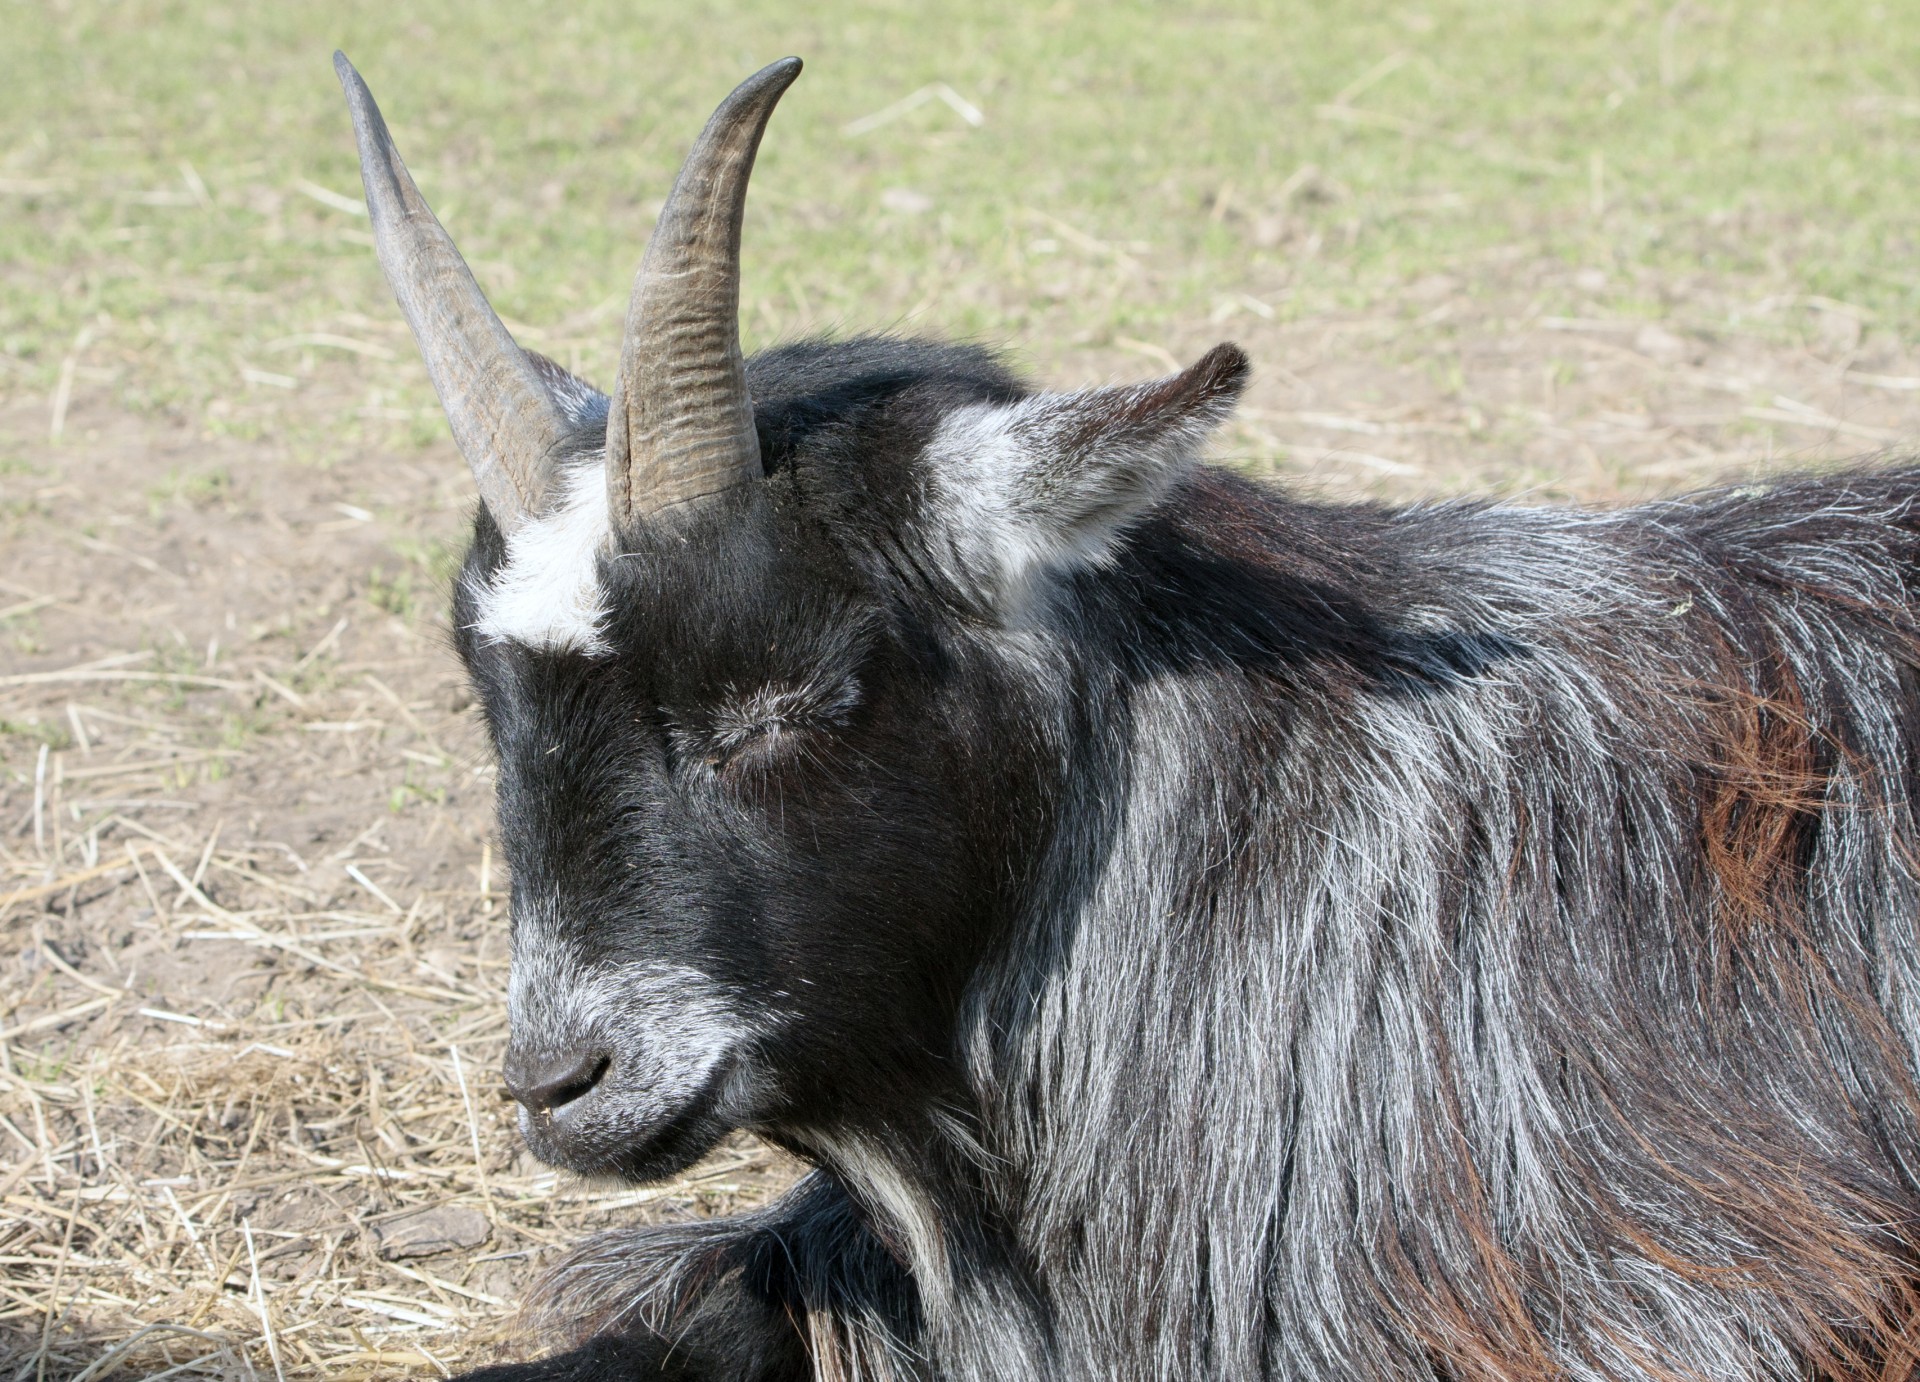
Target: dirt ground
252,943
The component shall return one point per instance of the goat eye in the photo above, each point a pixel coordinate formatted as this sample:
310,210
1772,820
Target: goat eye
743,745
754,730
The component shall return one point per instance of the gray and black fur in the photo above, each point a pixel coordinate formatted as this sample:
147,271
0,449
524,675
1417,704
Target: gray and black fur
1196,932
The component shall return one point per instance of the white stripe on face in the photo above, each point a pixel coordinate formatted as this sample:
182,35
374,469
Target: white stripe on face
547,593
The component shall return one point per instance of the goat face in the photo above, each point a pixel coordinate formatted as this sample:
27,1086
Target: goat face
774,671
750,864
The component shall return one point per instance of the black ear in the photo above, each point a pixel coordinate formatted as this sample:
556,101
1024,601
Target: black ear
1050,482
579,401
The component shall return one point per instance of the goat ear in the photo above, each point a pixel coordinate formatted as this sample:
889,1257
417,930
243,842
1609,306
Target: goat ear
581,403
1051,482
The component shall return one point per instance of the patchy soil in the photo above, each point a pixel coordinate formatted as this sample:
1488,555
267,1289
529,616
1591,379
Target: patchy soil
252,948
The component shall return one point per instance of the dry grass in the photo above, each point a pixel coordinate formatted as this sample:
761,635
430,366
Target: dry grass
220,1169
229,1177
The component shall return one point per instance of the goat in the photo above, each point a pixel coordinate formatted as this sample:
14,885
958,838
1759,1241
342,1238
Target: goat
1192,931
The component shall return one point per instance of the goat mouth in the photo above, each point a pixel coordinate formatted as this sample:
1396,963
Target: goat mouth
612,1143
677,1144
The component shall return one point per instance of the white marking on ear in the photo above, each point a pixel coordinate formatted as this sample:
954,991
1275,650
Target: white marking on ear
582,404
1023,491
547,593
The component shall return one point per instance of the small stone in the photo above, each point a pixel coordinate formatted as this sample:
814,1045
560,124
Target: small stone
1269,231
1658,343
1432,288
906,201
428,1231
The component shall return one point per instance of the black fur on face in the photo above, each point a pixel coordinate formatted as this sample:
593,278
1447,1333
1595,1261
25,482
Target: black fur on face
755,855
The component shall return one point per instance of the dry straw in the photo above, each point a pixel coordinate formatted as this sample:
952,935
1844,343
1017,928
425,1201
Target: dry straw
233,1060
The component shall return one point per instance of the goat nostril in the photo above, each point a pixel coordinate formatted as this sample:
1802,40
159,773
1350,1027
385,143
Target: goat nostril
544,1086
584,1077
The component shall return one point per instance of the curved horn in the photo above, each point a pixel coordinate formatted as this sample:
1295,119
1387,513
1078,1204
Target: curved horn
504,420
681,424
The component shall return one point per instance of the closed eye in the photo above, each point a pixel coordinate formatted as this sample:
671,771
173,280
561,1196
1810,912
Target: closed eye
754,727
740,742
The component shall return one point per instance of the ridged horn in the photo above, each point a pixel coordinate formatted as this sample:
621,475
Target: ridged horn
681,424
504,420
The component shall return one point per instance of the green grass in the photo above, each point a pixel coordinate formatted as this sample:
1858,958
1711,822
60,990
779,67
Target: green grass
1137,163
